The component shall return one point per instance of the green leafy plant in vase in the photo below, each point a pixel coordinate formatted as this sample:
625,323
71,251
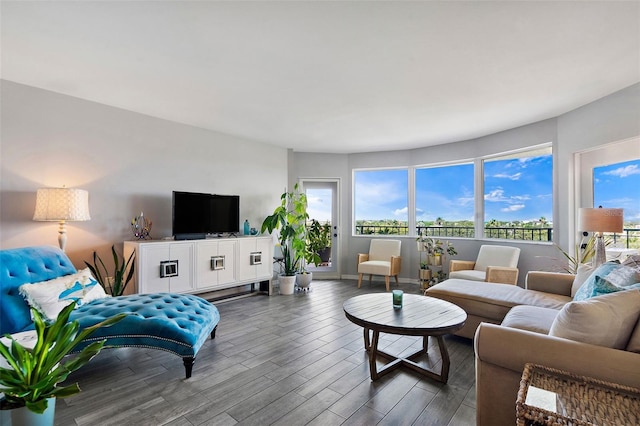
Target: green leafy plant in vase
319,241
290,219
116,283
34,375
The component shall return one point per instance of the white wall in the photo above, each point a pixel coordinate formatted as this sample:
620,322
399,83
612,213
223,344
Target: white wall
128,162
612,118
131,162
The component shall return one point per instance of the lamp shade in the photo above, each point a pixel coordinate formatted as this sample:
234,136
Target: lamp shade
601,220
62,204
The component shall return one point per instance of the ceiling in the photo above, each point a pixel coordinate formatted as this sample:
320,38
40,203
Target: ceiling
329,76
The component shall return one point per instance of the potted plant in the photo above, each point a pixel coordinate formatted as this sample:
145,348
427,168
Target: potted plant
290,219
30,383
115,284
320,240
435,248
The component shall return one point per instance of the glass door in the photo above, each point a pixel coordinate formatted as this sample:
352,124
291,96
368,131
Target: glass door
322,206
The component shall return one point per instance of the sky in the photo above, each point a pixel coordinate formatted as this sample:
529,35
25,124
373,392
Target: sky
618,186
516,189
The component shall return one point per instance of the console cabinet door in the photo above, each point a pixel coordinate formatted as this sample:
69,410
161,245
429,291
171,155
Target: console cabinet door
215,264
255,258
165,268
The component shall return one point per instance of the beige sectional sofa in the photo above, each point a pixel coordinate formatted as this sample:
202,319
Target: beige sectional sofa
523,336
490,302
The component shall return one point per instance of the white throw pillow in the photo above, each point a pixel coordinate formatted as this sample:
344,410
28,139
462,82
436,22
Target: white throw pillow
606,320
582,274
51,297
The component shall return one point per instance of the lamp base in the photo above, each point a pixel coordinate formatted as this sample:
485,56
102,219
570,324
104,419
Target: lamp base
600,253
62,235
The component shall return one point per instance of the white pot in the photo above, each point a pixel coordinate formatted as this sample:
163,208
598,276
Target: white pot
304,280
287,284
24,417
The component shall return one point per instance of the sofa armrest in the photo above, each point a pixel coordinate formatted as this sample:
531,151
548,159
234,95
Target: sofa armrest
501,274
396,262
362,257
501,353
461,265
549,282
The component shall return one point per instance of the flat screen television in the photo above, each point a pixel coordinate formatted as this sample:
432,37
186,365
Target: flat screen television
196,215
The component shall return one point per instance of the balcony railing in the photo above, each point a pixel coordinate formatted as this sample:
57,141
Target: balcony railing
630,237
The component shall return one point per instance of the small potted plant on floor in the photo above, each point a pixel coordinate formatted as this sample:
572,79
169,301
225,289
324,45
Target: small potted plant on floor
31,381
290,219
116,283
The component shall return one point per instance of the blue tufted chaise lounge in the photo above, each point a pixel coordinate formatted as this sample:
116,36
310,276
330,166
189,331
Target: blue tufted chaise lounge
177,323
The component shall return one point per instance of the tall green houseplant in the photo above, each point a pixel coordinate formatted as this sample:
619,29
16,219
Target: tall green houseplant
290,219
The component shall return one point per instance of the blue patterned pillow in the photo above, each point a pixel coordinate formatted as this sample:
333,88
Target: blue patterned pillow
607,278
50,297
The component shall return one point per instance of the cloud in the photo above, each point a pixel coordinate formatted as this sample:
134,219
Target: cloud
401,212
495,195
625,171
515,176
513,208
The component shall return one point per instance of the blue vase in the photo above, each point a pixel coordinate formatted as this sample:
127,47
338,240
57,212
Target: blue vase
247,227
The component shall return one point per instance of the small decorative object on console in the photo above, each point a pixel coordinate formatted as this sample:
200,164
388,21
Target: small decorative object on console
141,227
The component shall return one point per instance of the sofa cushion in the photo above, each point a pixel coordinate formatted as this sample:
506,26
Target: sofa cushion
51,296
531,318
634,341
492,300
583,272
607,278
606,320
468,274
587,288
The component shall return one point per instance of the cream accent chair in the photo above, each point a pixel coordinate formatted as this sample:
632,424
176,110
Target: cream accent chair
383,259
495,264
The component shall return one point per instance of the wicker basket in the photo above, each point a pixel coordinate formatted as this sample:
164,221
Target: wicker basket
578,400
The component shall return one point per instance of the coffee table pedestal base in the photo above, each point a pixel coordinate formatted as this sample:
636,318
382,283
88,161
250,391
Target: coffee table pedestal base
395,362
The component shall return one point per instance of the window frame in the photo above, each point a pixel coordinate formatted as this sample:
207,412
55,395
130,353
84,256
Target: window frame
478,190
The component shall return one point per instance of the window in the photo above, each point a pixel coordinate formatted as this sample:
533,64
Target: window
381,201
518,202
445,201
618,186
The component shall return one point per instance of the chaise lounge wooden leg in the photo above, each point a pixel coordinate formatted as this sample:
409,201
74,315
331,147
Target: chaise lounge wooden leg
188,365
213,332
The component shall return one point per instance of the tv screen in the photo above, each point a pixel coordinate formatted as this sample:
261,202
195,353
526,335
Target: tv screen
196,215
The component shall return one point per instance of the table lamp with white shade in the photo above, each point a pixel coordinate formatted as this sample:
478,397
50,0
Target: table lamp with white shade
600,220
62,205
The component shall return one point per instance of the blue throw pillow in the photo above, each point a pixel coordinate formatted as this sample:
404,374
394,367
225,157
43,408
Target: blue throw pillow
587,289
608,278
604,286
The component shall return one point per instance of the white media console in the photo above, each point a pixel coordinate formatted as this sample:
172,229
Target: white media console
197,266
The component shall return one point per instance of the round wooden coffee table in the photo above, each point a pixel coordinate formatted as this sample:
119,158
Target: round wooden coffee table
419,316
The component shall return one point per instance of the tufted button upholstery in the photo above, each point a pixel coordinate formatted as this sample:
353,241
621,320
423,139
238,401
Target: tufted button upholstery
178,323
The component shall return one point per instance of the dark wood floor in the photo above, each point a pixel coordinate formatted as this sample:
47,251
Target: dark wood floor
286,360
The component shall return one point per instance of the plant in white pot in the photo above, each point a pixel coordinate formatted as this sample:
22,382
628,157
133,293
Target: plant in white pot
289,218
31,382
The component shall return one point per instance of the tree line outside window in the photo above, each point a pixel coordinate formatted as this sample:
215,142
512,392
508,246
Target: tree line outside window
515,198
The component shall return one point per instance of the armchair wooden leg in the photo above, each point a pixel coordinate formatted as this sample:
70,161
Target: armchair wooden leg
386,281
370,276
396,277
359,280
